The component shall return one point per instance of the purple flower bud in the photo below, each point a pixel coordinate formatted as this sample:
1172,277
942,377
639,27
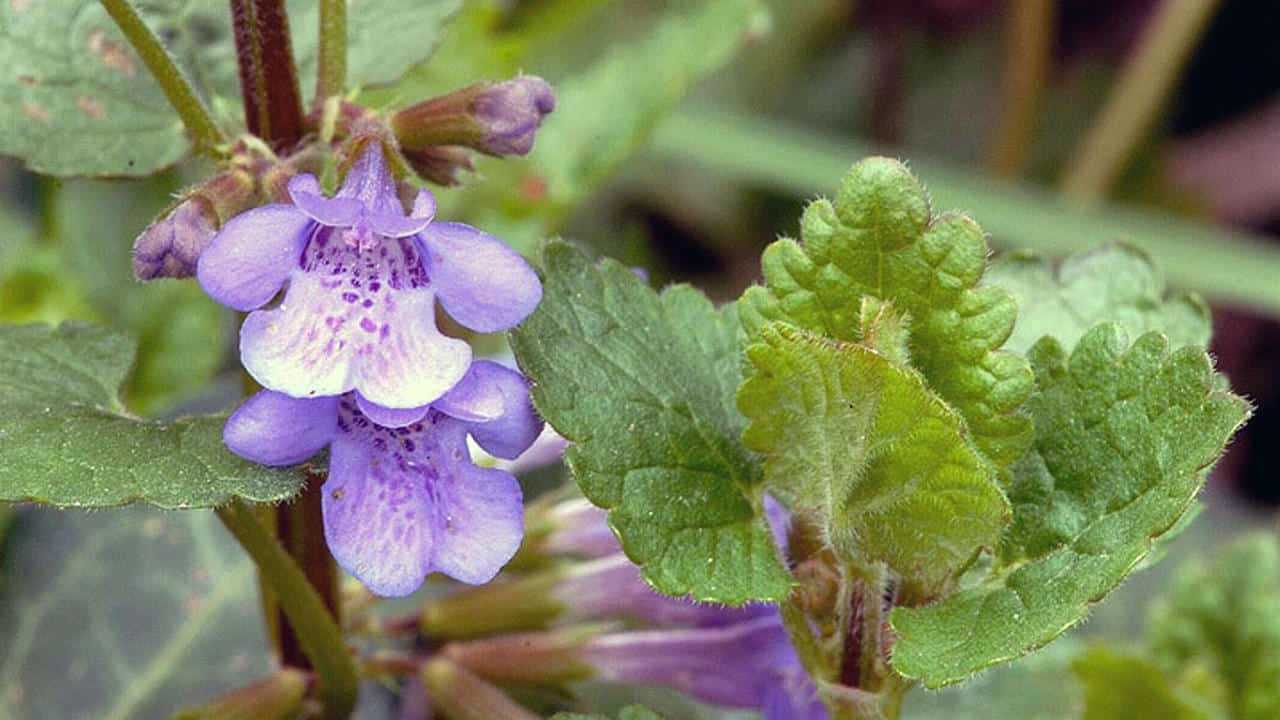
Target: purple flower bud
171,246
748,664
606,589
494,118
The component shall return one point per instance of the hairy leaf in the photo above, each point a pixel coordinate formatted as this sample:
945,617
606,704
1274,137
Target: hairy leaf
1223,621
65,439
79,101
644,385
1124,437
1121,686
848,433
1116,283
126,615
880,239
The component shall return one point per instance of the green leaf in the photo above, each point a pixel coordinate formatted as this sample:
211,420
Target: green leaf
126,615
1116,283
1029,690
82,102
644,385
879,239
631,712
180,330
65,439
383,43
1120,686
1124,438
604,116
848,433
1223,621
79,99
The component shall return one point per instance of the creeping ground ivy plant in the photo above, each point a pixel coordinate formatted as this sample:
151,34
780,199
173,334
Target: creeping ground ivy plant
893,463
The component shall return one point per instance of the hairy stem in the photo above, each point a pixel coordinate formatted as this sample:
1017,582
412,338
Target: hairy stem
1028,52
331,77
317,633
268,77
182,96
1139,93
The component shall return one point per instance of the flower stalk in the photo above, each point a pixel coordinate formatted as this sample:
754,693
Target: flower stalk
182,96
331,77
318,636
268,77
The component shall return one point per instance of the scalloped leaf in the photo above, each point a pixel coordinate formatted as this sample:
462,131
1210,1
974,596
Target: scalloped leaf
879,238
863,442
65,438
643,384
1125,435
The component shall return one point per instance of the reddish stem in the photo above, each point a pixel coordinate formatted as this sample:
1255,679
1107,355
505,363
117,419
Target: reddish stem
300,527
268,77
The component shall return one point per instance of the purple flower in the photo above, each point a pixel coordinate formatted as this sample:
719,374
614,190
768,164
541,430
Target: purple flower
403,498
363,280
749,664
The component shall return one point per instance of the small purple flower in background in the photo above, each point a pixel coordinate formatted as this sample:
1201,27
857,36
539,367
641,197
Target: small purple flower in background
363,279
403,498
495,118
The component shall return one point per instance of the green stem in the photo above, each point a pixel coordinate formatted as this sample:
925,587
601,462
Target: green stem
299,526
1028,52
204,133
1139,93
317,632
331,77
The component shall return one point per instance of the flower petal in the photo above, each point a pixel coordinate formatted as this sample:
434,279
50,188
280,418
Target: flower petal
304,190
274,429
376,519
396,225
519,425
414,364
254,253
321,341
483,523
390,417
483,284
370,182
424,205
476,397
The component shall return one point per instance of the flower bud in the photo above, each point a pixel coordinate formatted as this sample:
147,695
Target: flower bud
440,164
460,695
495,118
739,665
609,588
172,244
275,698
